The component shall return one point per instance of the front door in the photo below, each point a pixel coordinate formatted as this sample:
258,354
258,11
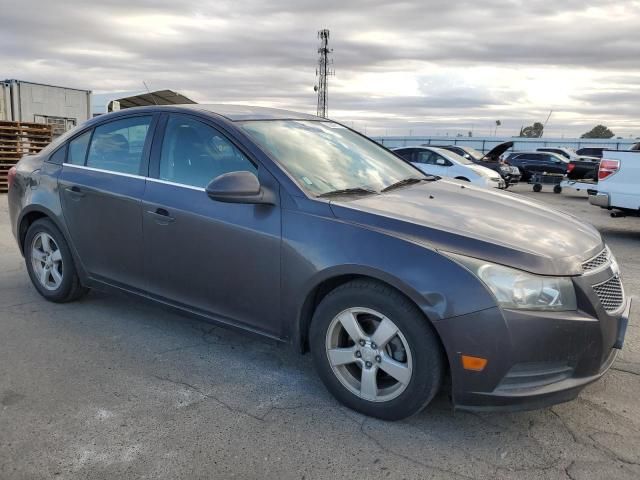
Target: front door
432,163
221,259
101,187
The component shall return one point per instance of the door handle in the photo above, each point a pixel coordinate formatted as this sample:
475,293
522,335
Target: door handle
75,192
161,216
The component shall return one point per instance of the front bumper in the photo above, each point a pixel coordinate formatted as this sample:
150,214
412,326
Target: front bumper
600,200
511,179
535,359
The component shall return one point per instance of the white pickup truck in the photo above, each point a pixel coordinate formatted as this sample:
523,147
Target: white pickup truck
618,181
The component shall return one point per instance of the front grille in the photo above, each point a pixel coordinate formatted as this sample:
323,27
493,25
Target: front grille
610,294
596,262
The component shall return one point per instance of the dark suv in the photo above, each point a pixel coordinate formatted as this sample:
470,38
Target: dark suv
303,230
530,163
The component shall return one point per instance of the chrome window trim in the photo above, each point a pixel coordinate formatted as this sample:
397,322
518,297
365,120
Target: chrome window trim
130,175
175,184
101,170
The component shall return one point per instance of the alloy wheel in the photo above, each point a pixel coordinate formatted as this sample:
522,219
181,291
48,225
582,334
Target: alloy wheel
369,354
46,259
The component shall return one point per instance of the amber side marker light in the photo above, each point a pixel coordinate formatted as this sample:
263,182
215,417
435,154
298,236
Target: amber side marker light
475,364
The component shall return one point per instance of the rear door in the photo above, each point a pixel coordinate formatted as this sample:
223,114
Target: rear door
221,259
101,187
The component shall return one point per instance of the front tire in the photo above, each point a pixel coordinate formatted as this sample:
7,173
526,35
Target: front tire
375,351
50,263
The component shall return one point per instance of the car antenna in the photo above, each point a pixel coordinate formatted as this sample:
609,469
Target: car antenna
149,92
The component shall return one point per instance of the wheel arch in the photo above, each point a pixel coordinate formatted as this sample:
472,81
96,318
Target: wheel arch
28,217
35,212
330,280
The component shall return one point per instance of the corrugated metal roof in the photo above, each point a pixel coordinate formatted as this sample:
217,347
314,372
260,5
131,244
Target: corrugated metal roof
160,97
247,112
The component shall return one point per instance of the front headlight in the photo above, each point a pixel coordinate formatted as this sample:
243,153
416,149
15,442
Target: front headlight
521,290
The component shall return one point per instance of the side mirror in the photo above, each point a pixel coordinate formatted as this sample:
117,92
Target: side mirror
441,161
239,187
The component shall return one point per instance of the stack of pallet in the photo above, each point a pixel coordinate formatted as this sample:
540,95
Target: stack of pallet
18,139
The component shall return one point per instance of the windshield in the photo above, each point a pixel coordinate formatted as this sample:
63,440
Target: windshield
474,153
326,157
454,157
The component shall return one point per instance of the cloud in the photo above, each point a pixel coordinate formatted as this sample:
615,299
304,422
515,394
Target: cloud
426,66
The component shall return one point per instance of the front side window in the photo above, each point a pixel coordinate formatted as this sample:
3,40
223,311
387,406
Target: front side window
78,149
118,146
425,156
407,154
194,153
325,157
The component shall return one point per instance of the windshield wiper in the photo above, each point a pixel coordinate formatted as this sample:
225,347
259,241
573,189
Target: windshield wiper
410,181
348,191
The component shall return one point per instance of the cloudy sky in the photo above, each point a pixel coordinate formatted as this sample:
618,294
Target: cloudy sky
421,67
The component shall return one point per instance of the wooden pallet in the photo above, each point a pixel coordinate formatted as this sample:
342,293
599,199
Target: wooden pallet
18,139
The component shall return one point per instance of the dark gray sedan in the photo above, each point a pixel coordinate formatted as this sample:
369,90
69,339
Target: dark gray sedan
302,230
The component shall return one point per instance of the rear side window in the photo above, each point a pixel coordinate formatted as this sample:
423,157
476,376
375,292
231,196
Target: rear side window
118,146
78,149
58,156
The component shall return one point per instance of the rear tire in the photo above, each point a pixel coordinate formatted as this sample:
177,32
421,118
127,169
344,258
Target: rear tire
391,380
537,188
50,263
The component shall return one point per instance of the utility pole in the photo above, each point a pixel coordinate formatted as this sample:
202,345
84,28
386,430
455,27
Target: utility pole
545,122
323,71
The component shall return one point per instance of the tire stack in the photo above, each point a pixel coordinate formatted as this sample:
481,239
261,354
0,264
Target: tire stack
18,139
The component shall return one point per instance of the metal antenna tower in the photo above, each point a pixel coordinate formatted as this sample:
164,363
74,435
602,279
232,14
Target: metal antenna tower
323,71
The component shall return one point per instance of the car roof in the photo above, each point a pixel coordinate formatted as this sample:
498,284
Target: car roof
537,152
237,113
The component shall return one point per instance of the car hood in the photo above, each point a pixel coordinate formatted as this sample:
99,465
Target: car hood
493,155
488,224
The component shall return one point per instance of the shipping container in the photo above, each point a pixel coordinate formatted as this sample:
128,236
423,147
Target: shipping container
61,107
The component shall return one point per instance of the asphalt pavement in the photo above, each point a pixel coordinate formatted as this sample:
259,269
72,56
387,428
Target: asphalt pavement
111,387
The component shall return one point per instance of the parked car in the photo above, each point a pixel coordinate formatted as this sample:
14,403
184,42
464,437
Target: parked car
538,162
491,159
619,181
305,231
567,153
443,163
579,167
590,152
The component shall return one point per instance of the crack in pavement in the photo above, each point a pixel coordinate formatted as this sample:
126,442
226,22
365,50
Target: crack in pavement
208,396
406,457
216,399
569,467
566,427
608,452
618,369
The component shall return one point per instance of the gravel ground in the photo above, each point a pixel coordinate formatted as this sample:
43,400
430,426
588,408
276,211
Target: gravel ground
110,387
